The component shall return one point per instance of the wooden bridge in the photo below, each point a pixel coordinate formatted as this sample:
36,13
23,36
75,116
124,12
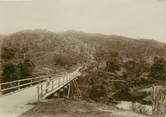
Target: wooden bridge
18,95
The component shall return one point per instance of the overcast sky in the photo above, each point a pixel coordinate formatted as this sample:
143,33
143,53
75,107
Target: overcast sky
132,18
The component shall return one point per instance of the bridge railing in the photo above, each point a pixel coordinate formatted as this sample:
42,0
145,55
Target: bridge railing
44,90
8,87
13,86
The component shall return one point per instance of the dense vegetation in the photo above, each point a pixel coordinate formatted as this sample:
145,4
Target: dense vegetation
135,62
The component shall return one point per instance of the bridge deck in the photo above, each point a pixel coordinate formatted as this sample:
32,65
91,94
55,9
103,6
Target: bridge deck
19,102
16,103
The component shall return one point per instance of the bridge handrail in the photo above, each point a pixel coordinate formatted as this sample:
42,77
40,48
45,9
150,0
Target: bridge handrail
44,90
39,77
5,83
19,85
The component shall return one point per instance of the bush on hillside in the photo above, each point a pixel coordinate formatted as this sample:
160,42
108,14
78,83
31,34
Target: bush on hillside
25,68
64,60
8,53
9,72
97,91
158,69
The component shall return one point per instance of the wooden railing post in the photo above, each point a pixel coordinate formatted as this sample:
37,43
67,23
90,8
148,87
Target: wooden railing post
38,94
31,81
0,89
18,85
41,90
68,93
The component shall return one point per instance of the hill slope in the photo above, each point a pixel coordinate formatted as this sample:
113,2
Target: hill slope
50,49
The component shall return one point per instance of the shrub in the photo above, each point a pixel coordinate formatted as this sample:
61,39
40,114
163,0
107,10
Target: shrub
97,91
64,60
158,69
7,53
25,69
9,72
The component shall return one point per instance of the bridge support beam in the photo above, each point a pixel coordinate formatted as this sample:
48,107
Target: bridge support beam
76,88
68,93
64,92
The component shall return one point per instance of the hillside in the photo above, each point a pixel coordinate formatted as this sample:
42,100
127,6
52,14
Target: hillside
129,47
43,48
40,41
50,49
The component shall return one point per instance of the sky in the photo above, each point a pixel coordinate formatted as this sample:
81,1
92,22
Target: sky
131,18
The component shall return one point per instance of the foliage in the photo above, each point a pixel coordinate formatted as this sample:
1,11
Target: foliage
9,72
64,60
158,69
97,91
14,64
7,53
13,71
25,69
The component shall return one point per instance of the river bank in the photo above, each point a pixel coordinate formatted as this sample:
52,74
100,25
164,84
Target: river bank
70,108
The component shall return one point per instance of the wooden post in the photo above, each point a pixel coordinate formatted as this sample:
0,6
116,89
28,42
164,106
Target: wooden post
18,85
0,89
31,82
159,101
41,90
38,94
68,94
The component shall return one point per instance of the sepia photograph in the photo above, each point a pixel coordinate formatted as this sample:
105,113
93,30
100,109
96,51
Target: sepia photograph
82,58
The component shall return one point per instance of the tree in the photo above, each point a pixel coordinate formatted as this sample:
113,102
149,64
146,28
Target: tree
113,61
8,53
9,72
25,69
158,69
97,91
